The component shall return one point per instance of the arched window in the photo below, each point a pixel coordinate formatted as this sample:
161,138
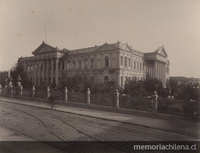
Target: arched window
79,63
92,63
74,64
106,79
125,62
86,64
106,61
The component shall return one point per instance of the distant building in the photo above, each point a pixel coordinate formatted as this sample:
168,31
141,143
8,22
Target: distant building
108,62
185,80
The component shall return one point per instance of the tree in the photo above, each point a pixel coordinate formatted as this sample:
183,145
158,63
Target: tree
135,88
18,70
108,87
78,83
153,84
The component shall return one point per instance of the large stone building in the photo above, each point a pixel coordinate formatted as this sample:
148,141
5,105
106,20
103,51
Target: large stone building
108,62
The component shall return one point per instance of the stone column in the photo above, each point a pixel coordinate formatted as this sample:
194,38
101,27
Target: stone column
164,75
52,68
34,71
66,95
155,69
116,99
43,70
88,96
47,71
39,73
48,92
102,61
158,69
33,91
56,73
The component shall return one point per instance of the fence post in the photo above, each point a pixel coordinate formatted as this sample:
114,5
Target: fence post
20,90
33,91
155,102
88,96
116,99
48,92
66,95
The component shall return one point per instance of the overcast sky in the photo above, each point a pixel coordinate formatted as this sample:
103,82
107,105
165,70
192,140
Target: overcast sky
143,24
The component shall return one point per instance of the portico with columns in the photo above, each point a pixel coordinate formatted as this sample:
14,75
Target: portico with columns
157,64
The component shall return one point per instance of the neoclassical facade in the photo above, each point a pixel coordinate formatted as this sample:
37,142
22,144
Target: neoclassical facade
108,62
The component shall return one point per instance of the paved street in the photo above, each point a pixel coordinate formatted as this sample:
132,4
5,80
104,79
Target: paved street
50,125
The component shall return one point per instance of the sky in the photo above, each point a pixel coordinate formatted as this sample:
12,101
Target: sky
143,24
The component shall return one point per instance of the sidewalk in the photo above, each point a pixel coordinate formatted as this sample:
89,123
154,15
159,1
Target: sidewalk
179,126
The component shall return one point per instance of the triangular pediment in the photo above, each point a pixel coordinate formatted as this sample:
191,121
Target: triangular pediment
43,48
105,47
125,47
161,51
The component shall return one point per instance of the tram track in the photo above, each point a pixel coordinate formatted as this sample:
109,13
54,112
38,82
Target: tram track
68,141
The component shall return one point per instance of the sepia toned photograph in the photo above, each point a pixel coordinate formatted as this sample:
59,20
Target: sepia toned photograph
99,76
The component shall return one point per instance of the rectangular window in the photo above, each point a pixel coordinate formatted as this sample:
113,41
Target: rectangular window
129,62
134,65
121,60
